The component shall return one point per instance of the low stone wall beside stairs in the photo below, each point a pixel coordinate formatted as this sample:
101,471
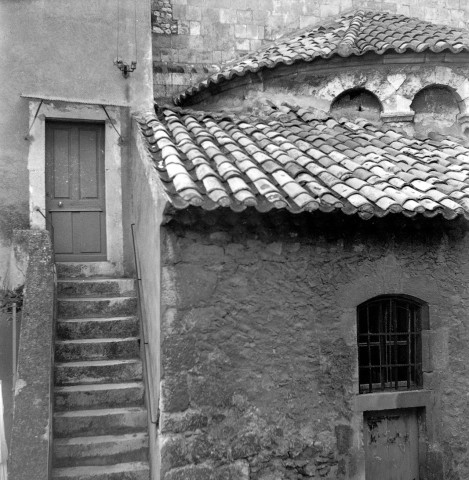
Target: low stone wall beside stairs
30,441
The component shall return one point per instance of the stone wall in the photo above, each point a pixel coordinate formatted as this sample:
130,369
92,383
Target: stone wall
403,84
259,356
190,37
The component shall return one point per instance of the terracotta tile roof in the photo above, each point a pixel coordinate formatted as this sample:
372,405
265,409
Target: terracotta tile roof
289,160
355,33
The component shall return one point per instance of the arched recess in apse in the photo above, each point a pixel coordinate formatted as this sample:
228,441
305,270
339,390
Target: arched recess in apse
357,103
436,109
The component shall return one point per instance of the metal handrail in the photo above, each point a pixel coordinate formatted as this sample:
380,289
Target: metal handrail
154,416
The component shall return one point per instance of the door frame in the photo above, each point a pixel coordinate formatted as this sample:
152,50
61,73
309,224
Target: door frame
71,206
41,110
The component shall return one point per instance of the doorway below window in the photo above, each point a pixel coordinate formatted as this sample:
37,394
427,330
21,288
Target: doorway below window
391,439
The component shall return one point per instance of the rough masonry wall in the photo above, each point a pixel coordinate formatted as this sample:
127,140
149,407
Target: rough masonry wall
259,368
419,93
190,37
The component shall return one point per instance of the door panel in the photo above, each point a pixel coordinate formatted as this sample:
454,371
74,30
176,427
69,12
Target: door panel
89,226
391,445
61,159
63,228
89,165
75,190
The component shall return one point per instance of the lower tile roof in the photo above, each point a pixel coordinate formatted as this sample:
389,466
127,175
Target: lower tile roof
292,160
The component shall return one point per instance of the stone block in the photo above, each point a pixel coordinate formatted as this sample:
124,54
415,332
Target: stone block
244,16
180,12
173,453
183,422
211,391
178,353
252,31
217,56
236,471
329,10
243,45
198,253
245,446
183,27
194,28
174,393
344,436
240,31
228,15
255,45
194,285
192,472
193,13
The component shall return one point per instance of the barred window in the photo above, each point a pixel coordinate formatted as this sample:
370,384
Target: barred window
389,343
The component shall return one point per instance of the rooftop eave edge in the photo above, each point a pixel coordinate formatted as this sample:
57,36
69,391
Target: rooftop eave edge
172,208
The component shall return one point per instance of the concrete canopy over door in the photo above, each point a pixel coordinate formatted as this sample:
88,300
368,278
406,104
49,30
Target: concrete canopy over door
75,190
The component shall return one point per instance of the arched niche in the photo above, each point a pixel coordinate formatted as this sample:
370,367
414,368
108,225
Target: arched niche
357,103
436,109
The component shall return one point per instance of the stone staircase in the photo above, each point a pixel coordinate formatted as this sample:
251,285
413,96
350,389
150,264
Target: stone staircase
100,421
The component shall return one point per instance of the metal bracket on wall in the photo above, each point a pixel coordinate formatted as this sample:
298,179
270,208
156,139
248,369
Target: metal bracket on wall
125,68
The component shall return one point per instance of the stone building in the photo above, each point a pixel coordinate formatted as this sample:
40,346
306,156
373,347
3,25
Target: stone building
296,206
311,203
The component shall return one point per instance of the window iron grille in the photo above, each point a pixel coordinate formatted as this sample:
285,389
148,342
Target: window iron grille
389,344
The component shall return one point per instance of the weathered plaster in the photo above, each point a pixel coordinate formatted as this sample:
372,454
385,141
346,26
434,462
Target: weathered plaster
113,160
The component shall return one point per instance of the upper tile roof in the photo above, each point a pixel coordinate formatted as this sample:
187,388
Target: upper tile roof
355,33
292,161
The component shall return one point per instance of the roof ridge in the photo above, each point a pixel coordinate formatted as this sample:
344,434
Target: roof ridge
346,46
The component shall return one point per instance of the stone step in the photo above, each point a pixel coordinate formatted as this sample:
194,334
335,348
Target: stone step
100,371
100,450
86,269
104,421
96,349
76,328
104,395
93,286
81,307
120,471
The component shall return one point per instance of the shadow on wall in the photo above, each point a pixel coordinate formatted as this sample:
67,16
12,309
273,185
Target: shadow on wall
436,109
357,103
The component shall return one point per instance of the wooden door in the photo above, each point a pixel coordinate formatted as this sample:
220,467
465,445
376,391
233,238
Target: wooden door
75,192
391,445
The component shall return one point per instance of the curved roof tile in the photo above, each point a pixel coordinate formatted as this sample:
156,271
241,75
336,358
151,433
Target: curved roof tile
355,33
213,160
